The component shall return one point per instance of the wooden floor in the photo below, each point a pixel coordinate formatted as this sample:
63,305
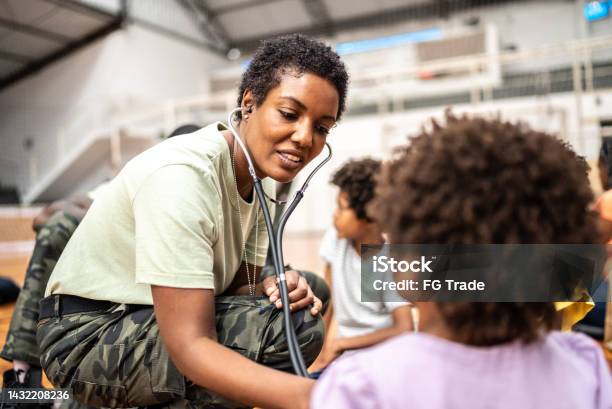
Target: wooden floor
14,267
11,266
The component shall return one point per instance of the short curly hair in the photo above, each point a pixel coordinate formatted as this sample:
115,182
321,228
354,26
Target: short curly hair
298,53
357,178
486,181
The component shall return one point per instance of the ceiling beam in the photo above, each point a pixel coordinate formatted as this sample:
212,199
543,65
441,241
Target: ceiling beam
444,8
217,28
383,18
241,6
318,12
83,8
31,30
36,65
212,30
18,58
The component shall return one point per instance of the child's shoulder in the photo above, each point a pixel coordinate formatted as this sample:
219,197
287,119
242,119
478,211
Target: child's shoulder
409,346
425,347
583,346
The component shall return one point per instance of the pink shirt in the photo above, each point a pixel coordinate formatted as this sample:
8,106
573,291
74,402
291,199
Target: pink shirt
563,370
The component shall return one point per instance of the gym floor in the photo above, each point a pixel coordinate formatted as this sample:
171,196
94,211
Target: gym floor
12,266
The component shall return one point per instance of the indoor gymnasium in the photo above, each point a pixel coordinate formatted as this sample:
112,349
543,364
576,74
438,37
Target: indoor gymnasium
305,204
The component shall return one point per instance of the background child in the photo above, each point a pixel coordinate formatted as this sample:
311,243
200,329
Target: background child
479,181
359,324
593,322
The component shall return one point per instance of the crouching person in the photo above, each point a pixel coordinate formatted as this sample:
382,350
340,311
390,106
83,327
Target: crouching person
157,298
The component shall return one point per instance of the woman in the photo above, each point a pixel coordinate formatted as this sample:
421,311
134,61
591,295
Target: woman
180,226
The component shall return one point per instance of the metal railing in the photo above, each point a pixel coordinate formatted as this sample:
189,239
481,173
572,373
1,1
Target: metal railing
581,67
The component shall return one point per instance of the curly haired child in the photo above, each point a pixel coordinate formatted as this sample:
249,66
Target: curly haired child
478,181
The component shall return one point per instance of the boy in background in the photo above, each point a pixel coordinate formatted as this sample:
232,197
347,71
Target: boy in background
359,324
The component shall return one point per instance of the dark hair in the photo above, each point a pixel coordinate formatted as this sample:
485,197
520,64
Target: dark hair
479,181
293,52
184,129
357,179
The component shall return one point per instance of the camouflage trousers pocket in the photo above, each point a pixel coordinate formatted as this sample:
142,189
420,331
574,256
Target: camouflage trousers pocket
53,371
54,350
277,356
98,395
167,383
127,375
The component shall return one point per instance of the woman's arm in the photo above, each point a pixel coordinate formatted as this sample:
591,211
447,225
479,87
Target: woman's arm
186,319
76,206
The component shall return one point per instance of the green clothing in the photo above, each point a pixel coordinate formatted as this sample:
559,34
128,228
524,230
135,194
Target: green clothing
169,218
50,241
115,358
122,351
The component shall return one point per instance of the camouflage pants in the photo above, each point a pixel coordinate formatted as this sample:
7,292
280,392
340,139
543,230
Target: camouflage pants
50,242
115,358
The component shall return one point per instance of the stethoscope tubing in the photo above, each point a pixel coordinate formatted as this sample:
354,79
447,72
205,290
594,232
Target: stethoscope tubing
275,239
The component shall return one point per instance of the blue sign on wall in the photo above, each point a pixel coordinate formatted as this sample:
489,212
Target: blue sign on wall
389,41
596,10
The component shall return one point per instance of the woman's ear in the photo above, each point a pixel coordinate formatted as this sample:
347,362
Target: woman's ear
247,102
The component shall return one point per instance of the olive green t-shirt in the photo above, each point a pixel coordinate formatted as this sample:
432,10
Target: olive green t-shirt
169,218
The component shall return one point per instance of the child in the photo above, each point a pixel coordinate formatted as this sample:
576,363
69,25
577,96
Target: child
478,181
359,324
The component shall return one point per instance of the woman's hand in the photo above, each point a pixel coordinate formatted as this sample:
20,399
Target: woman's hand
300,293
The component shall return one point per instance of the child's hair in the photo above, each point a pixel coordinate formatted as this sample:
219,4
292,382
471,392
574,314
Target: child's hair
486,181
357,179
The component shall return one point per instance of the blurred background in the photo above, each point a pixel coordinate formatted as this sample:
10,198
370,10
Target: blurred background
85,85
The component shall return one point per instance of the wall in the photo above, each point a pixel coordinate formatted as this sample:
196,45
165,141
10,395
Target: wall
524,25
377,135
131,69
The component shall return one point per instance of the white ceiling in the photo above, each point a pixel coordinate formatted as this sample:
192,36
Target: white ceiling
9,67
27,45
245,22
341,9
25,11
70,23
34,30
265,19
216,4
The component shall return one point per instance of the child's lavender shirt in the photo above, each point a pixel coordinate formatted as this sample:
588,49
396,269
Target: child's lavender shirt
563,370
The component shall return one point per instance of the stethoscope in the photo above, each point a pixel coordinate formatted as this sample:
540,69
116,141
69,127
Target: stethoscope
276,244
